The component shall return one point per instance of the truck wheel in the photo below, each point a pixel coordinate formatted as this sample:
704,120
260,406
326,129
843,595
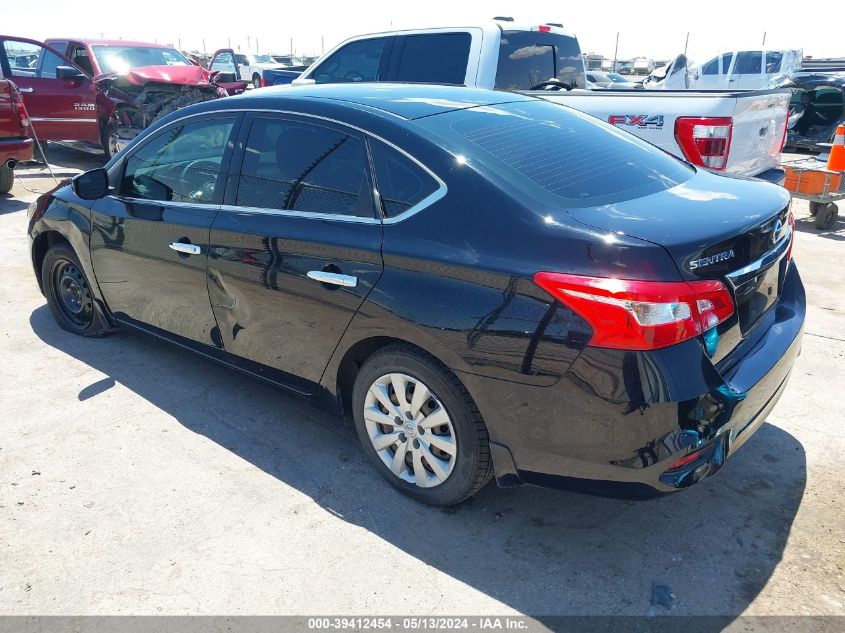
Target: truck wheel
814,207
108,133
7,179
826,216
256,80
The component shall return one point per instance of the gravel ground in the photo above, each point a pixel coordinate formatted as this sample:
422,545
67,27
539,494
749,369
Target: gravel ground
136,478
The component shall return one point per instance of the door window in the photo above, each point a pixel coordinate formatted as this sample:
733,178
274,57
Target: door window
357,61
79,56
297,166
401,182
726,63
224,63
749,63
31,60
711,67
182,164
773,62
434,58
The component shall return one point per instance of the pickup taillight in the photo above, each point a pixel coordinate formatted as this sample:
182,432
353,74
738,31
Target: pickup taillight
18,106
705,141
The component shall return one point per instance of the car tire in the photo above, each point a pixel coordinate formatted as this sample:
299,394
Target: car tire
826,216
814,207
69,294
7,179
256,80
444,411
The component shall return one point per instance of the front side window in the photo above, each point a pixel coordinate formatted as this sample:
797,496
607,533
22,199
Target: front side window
773,62
711,67
434,58
401,182
749,63
357,61
31,60
527,58
297,166
182,164
726,62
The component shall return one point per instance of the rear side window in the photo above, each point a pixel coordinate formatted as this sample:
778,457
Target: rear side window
357,61
555,154
527,58
297,166
433,58
182,164
749,63
401,182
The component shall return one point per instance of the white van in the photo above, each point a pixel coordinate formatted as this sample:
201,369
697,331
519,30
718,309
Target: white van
745,70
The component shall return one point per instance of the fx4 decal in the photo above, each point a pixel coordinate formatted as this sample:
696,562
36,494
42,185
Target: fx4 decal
653,121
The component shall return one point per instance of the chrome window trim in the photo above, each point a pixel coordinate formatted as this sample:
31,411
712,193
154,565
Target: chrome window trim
441,191
299,214
767,260
166,203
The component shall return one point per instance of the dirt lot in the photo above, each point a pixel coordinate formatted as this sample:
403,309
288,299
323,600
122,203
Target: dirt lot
137,478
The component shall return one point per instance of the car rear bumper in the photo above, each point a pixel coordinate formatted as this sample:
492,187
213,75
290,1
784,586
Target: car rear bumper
619,422
16,148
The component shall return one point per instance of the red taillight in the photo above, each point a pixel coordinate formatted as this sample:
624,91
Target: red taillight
705,141
790,221
17,103
544,29
640,315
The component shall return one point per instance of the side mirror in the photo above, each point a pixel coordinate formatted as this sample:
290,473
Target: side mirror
92,185
69,73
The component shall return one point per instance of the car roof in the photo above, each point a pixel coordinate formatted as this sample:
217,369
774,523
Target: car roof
406,101
94,42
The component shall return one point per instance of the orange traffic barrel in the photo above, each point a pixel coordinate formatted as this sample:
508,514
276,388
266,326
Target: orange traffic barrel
836,161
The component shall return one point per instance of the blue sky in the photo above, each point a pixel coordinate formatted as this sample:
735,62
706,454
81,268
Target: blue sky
655,29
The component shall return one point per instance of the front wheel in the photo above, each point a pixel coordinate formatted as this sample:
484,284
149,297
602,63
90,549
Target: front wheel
419,426
69,293
256,80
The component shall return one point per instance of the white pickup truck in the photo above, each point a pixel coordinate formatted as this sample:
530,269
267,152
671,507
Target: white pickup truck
737,132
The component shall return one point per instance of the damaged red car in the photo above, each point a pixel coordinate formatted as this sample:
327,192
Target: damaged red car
102,93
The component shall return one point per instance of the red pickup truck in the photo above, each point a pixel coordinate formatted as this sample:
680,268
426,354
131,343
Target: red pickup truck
102,93
15,140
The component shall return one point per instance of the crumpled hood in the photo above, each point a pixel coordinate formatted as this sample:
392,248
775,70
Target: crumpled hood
187,75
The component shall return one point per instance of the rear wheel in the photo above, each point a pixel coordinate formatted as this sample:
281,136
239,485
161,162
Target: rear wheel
419,426
69,293
256,80
7,179
826,216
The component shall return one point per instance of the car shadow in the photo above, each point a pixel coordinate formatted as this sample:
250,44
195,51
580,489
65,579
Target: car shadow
9,204
707,551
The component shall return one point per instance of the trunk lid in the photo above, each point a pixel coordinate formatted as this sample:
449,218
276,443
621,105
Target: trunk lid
739,236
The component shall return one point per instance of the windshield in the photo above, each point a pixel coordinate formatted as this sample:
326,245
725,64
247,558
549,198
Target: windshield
263,59
122,59
554,154
617,79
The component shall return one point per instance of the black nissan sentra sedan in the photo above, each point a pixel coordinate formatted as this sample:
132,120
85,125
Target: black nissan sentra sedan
489,285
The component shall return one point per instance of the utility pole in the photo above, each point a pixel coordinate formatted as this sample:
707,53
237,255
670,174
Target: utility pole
764,38
204,52
686,44
248,42
615,51
256,44
229,39
180,44
291,50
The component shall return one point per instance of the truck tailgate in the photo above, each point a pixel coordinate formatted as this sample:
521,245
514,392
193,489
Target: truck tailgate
759,118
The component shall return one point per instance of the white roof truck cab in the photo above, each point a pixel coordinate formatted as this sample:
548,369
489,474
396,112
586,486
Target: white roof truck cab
252,67
729,131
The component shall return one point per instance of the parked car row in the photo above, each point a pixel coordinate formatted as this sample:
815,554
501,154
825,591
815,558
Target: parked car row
442,235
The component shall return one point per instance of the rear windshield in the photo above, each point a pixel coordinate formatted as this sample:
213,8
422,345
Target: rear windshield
554,154
527,58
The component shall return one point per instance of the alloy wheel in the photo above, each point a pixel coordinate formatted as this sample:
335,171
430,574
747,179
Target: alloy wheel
410,430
